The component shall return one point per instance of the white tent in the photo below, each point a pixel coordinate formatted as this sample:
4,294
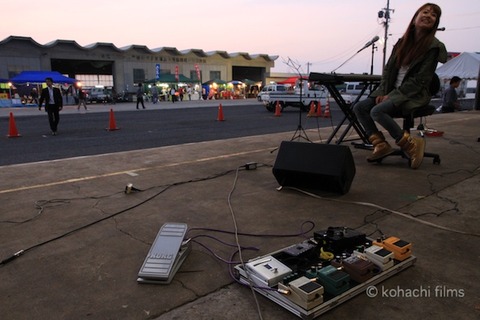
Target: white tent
465,66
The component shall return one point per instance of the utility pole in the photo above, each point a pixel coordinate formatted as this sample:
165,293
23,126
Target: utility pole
308,67
385,14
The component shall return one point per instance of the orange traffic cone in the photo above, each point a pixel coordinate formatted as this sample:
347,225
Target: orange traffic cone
112,126
278,110
220,113
311,113
327,109
12,127
319,109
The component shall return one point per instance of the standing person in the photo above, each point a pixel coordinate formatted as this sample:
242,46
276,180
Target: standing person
450,98
82,99
172,93
34,95
189,93
53,104
180,93
404,86
140,95
114,95
154,91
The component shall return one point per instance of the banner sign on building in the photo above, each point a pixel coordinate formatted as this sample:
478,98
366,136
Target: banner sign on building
157,71
198,72
176,73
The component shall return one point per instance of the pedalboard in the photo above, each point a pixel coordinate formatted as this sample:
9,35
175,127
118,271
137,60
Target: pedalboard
311,277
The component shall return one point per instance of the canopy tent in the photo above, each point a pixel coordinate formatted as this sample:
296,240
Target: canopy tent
465,66
170,78
39,77
291,80
217,81
249,82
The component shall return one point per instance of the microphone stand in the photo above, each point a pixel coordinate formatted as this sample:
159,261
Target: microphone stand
373,53
300,132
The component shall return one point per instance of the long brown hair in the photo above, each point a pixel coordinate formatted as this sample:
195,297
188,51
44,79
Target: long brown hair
410,48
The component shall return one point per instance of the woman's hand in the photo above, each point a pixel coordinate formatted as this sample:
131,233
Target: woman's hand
380,99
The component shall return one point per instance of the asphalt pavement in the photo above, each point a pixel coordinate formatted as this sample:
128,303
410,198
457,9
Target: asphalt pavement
82,132
81,240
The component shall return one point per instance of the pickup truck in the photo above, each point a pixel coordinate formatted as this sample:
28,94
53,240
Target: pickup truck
296,98
99,95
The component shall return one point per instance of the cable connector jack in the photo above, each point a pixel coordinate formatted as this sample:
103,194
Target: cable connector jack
251,166
12,257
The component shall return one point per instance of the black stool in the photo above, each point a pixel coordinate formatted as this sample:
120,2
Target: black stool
409,122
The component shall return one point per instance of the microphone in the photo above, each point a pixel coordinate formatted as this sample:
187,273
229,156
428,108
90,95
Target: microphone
369,43
441,29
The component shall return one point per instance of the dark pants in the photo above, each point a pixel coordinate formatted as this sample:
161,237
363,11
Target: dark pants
53,112
140,100
368,113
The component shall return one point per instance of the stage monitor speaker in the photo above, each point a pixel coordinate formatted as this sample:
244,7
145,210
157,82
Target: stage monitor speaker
326,167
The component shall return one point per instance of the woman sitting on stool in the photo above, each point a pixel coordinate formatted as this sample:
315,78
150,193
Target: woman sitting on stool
404,86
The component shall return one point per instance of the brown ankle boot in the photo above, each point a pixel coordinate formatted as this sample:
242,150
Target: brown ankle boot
381,148
414,148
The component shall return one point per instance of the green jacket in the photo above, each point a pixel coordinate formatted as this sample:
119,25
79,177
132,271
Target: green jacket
414,90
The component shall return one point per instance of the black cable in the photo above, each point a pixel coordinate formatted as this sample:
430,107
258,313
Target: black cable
271,235
166,187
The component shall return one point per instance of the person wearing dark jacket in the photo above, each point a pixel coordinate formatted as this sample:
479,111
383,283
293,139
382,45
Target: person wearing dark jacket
404,86
53,104
450,97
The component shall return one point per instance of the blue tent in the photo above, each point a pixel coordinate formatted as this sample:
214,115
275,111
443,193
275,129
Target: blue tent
39,77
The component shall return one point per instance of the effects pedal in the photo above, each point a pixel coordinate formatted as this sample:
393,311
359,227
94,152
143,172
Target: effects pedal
339,239
400,248
166,255
268,270
334,281
379,256
360,270
303,291
300,248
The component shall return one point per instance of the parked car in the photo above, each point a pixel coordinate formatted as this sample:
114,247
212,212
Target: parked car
277,88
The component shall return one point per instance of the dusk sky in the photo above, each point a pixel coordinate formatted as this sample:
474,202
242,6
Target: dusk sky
319,35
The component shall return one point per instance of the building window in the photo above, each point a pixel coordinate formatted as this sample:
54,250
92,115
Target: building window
215,75
194,76
91,80
138,75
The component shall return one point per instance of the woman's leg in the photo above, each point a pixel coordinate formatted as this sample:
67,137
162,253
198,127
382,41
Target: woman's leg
383,113
362,111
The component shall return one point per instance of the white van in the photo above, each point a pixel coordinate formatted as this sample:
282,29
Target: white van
277,88
471,89
355,88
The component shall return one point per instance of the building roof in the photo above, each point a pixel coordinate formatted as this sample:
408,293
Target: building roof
170,50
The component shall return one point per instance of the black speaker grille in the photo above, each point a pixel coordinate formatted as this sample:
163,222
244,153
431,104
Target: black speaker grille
306,165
